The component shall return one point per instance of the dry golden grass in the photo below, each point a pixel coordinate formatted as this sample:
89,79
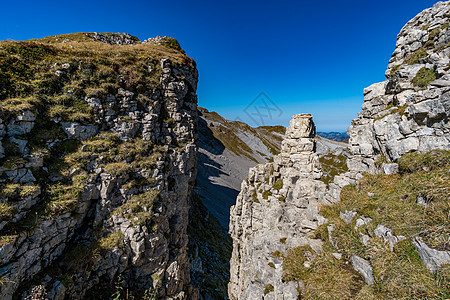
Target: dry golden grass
15,106
6,211
85,258
118,168
325,278
390,200
400,274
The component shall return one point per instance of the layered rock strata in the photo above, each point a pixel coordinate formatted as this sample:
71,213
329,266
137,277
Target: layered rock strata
98,205
409,111
276,209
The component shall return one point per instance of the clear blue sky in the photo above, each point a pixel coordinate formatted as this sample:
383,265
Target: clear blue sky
307,56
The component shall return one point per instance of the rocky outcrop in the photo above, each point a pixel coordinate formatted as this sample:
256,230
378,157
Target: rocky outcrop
114,38
276,209
433,259
410,110
95,199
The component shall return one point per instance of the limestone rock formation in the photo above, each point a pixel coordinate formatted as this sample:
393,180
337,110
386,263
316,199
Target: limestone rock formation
410,110
98,164
276,209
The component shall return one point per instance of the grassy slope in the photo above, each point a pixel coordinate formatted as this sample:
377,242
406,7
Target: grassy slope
225,133
390,200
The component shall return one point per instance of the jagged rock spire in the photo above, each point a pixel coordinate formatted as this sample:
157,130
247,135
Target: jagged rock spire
297,149
276,209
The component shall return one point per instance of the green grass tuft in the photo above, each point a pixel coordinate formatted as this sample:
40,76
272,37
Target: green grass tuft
268,288
389,200
423,77
278,185
414,57
138,209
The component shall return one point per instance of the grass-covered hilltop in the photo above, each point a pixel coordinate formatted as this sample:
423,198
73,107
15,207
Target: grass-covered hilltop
98,160
81,64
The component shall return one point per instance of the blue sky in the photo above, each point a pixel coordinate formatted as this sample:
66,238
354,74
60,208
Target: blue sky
306,56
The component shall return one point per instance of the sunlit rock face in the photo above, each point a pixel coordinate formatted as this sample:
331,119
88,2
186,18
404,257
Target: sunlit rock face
410,110
98,170
275,210
278,204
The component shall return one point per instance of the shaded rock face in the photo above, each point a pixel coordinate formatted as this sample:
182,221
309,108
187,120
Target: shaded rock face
410,110
276,209
112,219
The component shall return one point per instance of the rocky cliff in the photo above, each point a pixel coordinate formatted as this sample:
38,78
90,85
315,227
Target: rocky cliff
370,233
408,111
276,209
227,149
98,160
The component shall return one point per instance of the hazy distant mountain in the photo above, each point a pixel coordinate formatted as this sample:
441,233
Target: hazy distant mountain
334,136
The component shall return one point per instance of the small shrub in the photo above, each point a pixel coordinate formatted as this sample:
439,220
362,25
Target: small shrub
283,240
268,288
271,265
423,77
278,185
266,194
414,57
